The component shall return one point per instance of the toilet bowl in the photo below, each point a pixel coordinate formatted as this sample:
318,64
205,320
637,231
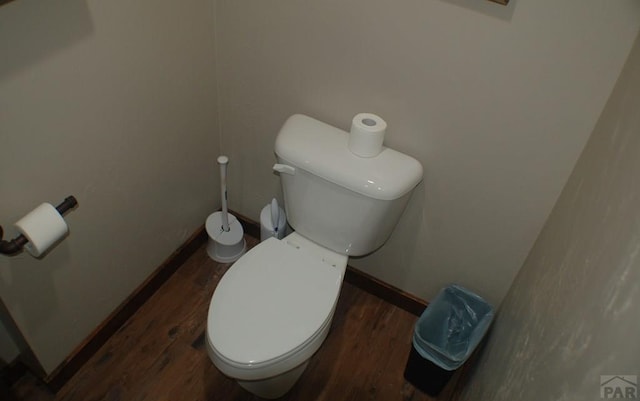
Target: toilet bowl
272,309
271,312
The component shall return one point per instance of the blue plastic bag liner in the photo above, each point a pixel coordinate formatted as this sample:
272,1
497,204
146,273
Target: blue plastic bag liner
451,327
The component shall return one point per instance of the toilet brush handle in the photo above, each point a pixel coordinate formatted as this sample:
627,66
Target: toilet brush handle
223,161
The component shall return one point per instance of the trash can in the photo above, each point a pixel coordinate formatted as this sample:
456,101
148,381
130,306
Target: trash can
445,335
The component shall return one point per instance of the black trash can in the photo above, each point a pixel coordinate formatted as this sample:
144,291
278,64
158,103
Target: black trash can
446,334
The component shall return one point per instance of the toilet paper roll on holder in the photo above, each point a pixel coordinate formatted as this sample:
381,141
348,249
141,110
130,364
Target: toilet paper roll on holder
15,245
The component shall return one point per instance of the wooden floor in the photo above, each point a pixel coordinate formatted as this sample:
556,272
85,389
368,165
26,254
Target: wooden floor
159,353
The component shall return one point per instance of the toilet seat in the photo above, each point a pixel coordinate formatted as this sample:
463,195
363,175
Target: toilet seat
273,303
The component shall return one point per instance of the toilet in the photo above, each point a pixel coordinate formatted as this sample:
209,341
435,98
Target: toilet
273,308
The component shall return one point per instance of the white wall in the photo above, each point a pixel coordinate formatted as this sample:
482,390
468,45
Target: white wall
496,102
115,103
572,312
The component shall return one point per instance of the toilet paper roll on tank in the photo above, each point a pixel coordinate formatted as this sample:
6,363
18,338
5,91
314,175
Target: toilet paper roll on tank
367,135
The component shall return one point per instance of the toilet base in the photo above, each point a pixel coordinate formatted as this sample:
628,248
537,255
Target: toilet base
274,387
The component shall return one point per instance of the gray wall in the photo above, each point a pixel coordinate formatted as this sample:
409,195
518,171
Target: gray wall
572,312
496,102
114,102
8,348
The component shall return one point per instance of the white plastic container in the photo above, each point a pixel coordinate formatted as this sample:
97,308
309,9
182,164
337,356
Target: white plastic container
272,213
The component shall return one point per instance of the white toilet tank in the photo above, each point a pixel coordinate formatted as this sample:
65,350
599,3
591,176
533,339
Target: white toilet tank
343,202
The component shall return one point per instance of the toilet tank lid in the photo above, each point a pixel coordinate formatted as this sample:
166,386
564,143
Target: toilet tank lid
322,150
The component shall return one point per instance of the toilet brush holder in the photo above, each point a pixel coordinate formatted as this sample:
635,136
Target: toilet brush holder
224,246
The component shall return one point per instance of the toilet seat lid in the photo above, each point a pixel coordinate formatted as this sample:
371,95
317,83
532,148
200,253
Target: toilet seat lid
271,301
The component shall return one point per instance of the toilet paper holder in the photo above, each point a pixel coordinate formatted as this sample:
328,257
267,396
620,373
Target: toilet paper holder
15,245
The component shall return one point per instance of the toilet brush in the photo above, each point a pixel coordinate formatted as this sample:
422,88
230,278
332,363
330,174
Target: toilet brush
226,237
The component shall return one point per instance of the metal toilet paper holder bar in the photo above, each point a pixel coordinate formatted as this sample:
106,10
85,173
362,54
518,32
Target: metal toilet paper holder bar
15,245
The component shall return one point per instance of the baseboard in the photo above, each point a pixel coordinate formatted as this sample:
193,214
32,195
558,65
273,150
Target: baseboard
117,318
250,227
360,279
385,291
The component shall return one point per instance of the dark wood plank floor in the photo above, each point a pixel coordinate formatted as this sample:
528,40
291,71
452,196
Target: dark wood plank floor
159,353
